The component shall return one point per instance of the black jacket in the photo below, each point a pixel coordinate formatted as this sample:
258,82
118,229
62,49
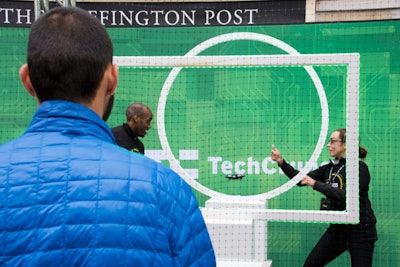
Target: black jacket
125,138
331,182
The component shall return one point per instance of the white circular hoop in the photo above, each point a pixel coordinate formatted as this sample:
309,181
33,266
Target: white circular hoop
233,37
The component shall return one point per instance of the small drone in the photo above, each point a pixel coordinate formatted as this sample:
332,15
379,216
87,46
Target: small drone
235,176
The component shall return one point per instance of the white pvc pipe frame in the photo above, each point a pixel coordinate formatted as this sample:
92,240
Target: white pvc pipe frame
43,5
351,60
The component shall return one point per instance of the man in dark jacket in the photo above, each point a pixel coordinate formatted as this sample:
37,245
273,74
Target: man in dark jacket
69,195
138,122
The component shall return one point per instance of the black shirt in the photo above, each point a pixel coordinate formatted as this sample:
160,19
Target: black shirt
125,138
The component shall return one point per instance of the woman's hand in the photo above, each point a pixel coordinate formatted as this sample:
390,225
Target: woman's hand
307,180
276,155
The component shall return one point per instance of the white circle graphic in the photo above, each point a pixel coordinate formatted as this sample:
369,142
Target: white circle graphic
234,37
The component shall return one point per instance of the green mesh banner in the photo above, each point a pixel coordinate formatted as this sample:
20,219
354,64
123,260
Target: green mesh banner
223,120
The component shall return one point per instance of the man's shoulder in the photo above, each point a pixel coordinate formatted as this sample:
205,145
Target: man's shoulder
5,149
116,128
120,154
119,132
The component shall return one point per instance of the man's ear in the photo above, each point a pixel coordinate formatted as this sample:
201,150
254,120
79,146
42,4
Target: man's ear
26,80
112,79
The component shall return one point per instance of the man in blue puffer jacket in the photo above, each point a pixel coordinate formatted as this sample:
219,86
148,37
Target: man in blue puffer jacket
69,196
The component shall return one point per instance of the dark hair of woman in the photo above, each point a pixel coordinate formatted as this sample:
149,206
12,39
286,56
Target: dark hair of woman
362,152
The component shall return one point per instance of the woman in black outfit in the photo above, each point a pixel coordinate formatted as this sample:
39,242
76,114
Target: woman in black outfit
330,180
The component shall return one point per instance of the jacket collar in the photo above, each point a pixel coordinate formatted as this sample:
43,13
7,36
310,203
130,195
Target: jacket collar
69,118
129,131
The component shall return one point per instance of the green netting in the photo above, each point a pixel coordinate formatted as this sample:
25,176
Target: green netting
229,116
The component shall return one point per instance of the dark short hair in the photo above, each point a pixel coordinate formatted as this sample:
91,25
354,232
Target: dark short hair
68,52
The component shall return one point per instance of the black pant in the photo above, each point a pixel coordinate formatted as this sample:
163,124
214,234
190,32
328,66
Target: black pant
329,247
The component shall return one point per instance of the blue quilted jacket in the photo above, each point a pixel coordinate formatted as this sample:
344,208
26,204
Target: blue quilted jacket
70,197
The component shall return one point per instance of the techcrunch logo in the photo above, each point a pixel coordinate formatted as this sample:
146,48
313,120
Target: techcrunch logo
251,166
221,166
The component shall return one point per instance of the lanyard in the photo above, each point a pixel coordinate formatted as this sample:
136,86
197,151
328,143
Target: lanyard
330,173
